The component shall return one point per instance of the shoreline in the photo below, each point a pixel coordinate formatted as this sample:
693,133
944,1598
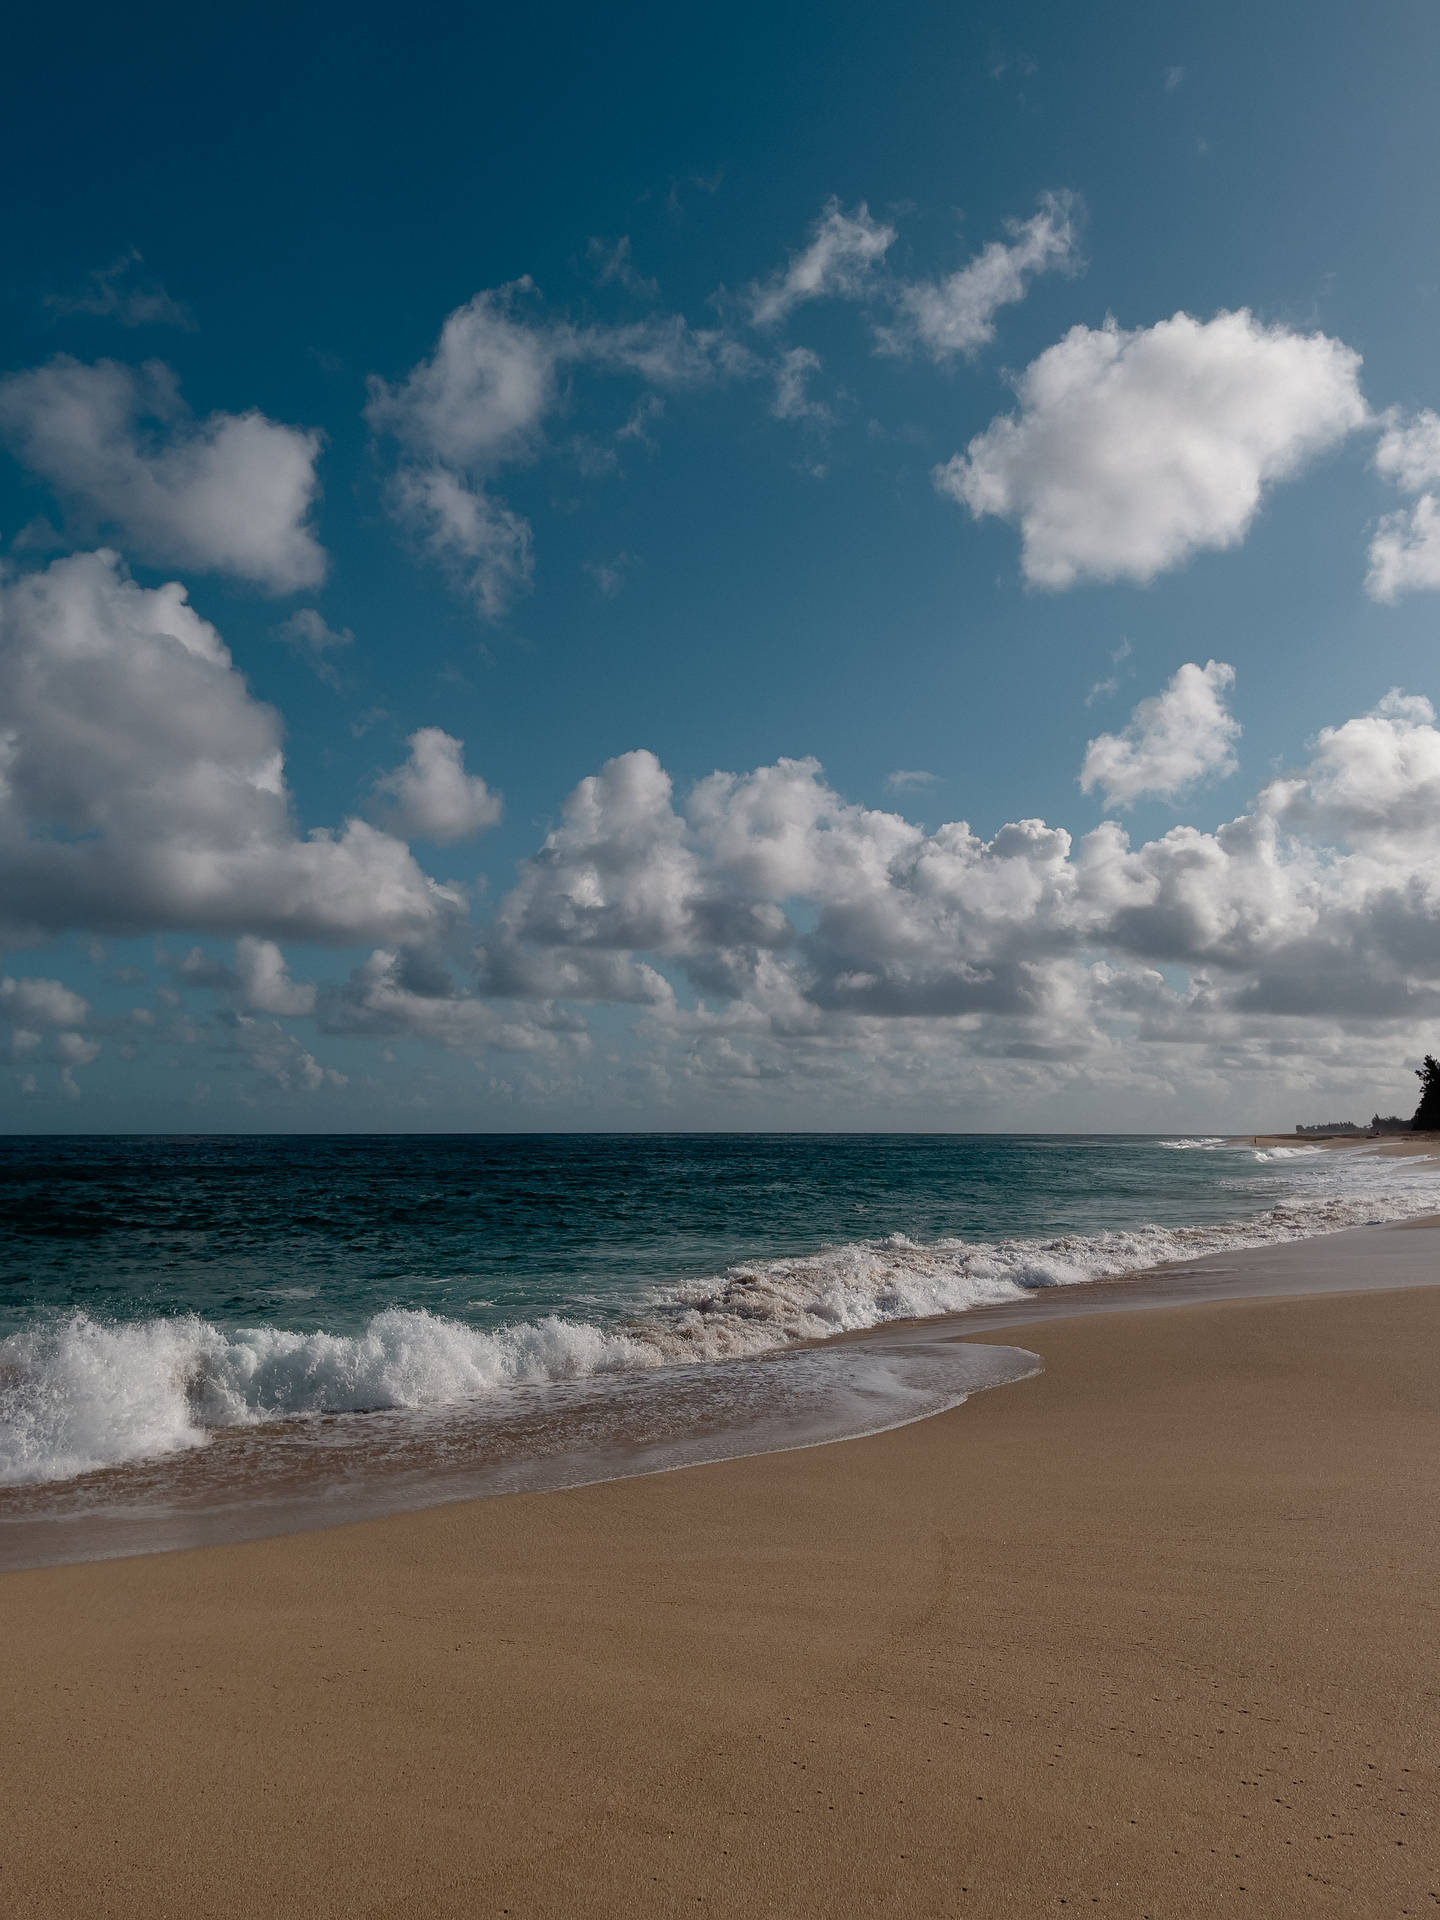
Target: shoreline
204,1496
1139,1632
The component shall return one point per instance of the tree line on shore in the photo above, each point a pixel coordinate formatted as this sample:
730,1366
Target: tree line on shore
1426,1118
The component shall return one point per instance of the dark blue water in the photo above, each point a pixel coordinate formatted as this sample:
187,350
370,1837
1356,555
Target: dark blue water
304,1232
566,1297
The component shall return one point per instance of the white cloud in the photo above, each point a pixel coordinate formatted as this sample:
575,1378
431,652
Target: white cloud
431,797
792,375
1373,782
907,777
957,314
482,394
259,981
642,417
36,1006
383,1000
845,259
1134,450
142,786
1405,551
264,980
74,1050
615,262
277,1056
616,873
1103,689
231,493
838,956
1322,903
609,575
480,399
41,1003
487,549
843,251
1174,740
306,630
120,292
479,403
1408,451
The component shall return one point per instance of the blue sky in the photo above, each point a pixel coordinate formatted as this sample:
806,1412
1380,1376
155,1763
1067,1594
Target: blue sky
912,393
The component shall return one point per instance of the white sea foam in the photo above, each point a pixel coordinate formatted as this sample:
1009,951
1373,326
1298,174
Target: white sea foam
1218,1145
78,1394
83,1393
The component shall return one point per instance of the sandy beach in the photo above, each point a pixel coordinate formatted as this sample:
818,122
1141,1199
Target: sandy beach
1150,1634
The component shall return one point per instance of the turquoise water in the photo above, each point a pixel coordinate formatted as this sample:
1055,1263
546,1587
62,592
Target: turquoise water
161,1295
306,1232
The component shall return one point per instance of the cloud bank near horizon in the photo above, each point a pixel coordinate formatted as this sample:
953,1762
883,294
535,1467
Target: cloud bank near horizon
758,937
758,932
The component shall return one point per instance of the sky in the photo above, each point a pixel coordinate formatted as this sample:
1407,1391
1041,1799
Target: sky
823,568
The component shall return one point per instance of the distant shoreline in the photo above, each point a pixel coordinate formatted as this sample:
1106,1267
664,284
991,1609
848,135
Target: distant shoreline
1386,1143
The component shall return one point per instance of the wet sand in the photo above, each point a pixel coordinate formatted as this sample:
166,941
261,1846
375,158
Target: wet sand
1150,1634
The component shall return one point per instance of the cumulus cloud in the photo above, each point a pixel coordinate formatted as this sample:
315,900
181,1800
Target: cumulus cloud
388,997
957,314
264,979
431,797
843,251
1408,451
142,786
44,1017
75,1050
276,1056
1373,782
259,981
1405,550
479,403
484,390
762,932
487,549
1174,740
231,493
809,926
480,398
616,873
907,777
41,1003
1131,451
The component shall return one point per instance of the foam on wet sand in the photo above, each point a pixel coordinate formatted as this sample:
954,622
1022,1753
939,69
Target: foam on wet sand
1148,1633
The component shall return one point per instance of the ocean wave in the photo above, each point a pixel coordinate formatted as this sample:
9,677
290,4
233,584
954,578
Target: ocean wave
1262,1154
78,1394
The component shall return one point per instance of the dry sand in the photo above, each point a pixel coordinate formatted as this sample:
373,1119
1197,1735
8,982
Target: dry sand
1151,1634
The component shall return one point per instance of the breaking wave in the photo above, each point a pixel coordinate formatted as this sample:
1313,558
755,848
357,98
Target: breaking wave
80,1393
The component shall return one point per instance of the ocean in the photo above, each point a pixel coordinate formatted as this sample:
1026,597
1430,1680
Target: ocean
209,1337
